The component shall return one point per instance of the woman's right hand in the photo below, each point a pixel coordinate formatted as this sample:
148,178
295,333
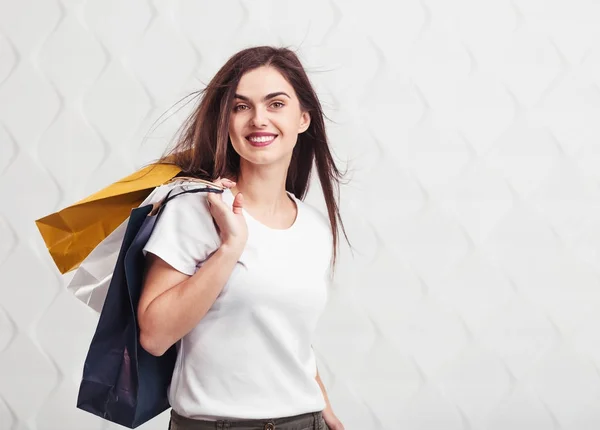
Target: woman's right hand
230,221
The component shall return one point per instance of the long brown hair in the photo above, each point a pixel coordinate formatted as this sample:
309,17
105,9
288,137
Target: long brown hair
203,148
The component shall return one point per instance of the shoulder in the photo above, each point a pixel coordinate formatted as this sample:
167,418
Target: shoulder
184,234
186,209
318,232
317,218
186,202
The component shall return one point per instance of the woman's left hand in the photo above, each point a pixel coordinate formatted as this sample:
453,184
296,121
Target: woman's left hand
331,420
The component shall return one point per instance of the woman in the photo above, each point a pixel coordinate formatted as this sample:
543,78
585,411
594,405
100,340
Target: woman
238,280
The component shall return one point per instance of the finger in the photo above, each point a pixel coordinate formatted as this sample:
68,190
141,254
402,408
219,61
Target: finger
214,199
217,198
221,183
224,182
228,182
238,203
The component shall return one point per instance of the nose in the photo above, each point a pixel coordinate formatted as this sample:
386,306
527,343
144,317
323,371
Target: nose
259,118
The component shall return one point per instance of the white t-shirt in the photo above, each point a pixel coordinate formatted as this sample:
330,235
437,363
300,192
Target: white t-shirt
250,356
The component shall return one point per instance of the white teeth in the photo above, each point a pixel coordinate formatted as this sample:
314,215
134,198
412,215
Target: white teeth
261,139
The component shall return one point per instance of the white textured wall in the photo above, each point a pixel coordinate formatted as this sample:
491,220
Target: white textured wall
472,127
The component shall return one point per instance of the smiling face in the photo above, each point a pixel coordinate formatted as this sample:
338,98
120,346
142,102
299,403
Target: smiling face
266,118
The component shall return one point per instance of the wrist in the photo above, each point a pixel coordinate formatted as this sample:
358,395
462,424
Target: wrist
231,249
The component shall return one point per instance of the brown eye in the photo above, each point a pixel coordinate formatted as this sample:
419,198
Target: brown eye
237,108
278,103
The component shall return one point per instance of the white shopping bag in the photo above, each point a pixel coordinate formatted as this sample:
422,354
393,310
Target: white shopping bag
92,278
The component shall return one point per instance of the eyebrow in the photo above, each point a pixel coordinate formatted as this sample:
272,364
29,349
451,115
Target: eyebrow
265,98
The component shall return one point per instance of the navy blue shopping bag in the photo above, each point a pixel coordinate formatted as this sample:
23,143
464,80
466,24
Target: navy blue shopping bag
122,382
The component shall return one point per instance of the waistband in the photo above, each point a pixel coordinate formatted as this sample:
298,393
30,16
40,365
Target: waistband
310,420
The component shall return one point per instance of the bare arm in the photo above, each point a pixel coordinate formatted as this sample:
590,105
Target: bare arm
318,378
332,421
173,303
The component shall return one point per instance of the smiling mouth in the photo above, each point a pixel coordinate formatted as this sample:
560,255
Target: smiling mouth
261,141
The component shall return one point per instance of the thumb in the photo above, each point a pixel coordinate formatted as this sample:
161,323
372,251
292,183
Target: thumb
238,203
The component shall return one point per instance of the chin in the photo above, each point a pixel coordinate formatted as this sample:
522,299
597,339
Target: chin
261,158
262,155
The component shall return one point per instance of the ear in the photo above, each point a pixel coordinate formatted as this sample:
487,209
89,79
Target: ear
304,122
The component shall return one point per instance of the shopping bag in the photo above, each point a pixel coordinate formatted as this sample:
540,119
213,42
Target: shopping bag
73,232
121,381
92,278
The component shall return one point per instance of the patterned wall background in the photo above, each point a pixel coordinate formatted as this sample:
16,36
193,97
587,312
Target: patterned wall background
471,131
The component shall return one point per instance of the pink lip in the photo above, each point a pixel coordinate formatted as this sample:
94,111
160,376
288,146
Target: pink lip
260,134
261,144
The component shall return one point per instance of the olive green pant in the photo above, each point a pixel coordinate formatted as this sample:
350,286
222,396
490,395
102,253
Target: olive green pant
308,421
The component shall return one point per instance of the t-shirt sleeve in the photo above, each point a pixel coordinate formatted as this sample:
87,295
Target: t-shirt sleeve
184,235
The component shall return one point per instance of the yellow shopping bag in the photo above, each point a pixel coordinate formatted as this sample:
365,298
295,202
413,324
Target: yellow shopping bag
73,232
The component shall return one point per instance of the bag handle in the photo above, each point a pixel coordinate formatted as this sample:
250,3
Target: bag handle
192,179
197,190
157,209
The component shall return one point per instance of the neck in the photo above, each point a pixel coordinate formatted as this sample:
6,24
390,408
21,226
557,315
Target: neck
263,188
